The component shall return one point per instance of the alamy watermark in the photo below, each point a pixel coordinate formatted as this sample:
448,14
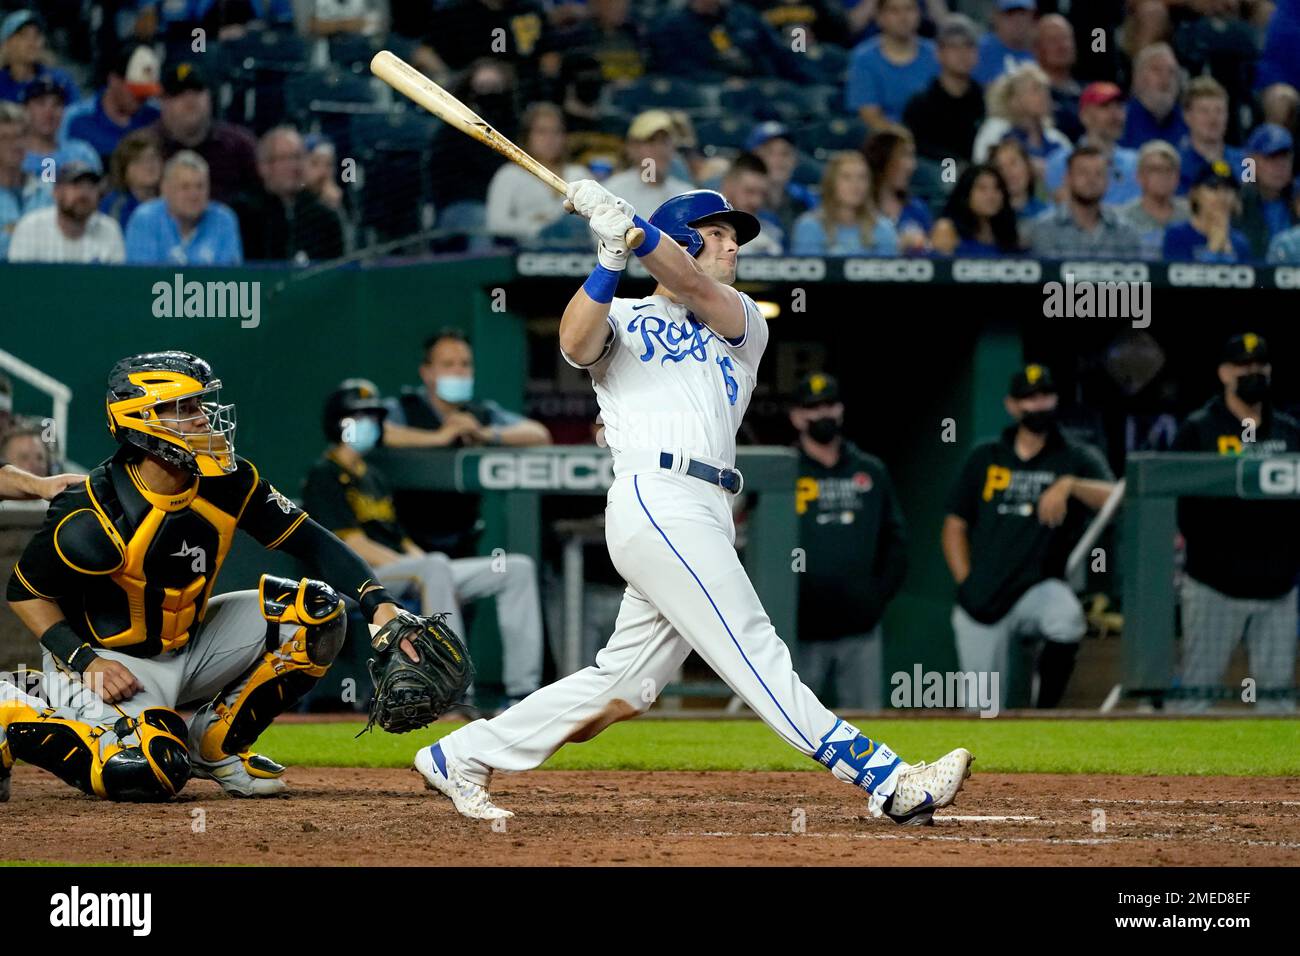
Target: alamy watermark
965,690
180,299
1098,300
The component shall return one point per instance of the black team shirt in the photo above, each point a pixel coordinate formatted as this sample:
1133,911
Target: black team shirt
997,496
1245,549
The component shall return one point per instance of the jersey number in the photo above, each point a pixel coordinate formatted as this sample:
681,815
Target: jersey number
733,390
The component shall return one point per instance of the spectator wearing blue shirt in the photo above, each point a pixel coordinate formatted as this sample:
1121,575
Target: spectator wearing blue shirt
977,220
20,192
22,43
1285,247
1209,235
44,102
134,176
1101,111
846,223
184,227
1153,110
892,67
787,200
891,158
1205,108
1020,106
1009,43
1266,201
1278,62
123,105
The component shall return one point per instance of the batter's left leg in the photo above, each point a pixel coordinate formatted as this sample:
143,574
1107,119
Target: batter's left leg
677,549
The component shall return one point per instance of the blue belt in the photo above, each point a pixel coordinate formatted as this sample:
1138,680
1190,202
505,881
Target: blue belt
728,479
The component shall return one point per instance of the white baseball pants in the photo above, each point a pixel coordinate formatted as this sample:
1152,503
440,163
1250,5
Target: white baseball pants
672,538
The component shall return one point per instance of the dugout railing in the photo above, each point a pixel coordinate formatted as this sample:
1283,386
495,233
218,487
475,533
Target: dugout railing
1155,482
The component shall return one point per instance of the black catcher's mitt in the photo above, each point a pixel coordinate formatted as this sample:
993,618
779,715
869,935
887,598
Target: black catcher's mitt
410,694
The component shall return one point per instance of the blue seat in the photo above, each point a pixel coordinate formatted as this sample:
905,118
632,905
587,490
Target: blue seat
389,132
770,100
264,50
660,92
821,139
728,133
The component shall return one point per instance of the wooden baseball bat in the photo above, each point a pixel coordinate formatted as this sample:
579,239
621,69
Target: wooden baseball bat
414,85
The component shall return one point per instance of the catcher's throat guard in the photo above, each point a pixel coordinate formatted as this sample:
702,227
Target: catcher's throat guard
414,691
168,404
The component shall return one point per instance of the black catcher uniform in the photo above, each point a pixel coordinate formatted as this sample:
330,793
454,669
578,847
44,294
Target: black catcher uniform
132,573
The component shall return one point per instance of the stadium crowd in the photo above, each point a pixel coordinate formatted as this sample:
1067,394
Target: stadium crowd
213,133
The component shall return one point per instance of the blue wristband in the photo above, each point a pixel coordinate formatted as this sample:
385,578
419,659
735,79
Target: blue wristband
600,285
652,237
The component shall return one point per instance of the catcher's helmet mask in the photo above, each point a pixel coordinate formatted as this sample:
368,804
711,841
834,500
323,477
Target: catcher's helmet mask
168,405
682,217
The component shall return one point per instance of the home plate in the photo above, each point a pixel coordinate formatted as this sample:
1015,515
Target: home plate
975,819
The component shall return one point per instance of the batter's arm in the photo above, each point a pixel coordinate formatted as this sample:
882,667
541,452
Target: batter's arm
956,548
716,305
585,330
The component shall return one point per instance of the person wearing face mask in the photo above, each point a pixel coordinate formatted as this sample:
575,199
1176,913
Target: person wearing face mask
353,499
851,532
1242,556
1013,515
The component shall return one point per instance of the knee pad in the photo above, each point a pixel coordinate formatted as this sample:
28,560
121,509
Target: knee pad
288,669
146,762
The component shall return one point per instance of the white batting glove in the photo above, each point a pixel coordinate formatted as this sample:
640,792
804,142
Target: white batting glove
585,195
610,225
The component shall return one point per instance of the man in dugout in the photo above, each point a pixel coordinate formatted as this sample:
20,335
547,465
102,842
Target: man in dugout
1013,516
1242,556
352,498
851,532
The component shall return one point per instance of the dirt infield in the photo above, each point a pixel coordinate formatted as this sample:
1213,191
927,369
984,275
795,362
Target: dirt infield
350,817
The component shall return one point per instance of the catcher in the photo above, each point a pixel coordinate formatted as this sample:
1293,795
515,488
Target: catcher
118,583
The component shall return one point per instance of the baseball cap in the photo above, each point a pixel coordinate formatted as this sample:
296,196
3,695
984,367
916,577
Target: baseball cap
957,28
766,132
76,161
1245,348
16,21
1016,5
1217,173
1099,94
1270,139
651,122
1032,380
819,388
44,86
182,77
140,68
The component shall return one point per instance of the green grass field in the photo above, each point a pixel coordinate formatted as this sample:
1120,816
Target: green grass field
1217,747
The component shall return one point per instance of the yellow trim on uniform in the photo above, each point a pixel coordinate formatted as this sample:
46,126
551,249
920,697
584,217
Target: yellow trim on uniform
290,530
18,573
108,530
257,477
167,503
225,526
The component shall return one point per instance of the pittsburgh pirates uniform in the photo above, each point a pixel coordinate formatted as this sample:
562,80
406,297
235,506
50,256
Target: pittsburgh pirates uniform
1240,581
672,394
1016,587
345,500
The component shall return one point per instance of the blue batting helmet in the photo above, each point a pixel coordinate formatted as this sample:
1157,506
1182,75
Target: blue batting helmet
681,216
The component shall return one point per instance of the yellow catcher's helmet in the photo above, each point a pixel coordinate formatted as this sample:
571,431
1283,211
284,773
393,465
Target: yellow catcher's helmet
168,404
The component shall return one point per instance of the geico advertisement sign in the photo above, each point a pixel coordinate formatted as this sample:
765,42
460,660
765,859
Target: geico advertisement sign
500,471
1280,476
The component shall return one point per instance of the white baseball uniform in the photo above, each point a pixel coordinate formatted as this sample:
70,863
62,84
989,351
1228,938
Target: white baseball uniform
668,383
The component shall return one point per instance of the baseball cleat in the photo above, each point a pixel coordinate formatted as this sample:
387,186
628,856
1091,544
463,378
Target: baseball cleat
469,799
924,788
243,775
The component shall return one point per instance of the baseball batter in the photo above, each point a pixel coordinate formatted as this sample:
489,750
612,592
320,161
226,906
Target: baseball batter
673,374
